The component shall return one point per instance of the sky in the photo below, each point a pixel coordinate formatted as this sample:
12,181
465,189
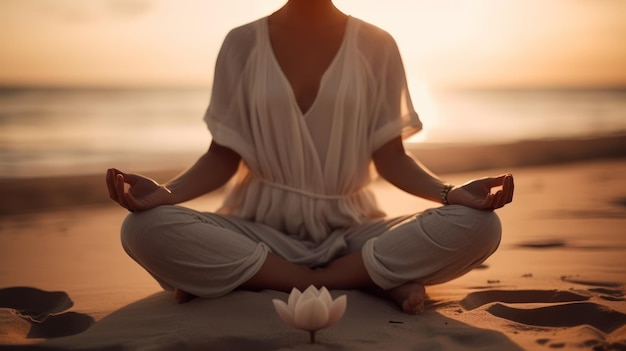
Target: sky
454,43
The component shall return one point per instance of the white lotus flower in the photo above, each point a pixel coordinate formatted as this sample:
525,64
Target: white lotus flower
311,310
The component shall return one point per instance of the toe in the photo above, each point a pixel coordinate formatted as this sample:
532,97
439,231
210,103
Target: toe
414,303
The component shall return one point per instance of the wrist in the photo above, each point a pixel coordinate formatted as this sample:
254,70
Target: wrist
168,195
444,194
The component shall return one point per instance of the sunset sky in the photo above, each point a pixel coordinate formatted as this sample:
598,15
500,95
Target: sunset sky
167,43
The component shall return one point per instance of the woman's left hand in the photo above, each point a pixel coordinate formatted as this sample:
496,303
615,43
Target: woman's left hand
483,194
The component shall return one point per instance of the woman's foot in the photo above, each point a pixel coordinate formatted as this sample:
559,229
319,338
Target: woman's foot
181,296
410,297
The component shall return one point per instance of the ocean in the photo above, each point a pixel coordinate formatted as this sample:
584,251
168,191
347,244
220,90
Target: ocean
58,132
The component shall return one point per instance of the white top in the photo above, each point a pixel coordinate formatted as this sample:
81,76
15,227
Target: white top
305,174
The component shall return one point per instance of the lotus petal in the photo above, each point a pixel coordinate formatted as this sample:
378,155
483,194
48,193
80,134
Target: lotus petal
310,293
325,297
337,309
311,314
284,312
294,296
312,290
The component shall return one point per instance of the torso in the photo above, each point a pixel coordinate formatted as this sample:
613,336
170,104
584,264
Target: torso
307,176
304,55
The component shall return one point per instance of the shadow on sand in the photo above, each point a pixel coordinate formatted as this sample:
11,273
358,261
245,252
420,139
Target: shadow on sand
247,320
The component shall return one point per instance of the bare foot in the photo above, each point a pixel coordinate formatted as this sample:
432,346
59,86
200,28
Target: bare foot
181,296
410,297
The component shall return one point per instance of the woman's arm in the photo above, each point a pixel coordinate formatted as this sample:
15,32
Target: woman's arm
396,166
400,169
210,172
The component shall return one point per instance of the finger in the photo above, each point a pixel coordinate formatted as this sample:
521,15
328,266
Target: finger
132,203
504,195
119,187
117,171
130,179
499,200
497,181
495,200
110,180
487,202
509,188
112,185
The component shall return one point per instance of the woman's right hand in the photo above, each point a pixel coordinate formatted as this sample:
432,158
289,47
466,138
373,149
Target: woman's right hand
143,193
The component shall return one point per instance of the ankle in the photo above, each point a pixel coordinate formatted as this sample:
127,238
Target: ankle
346,272
300,277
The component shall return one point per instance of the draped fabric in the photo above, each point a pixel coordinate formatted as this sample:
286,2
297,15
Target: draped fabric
305,173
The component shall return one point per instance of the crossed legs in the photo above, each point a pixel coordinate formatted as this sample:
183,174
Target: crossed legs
434,247
346,272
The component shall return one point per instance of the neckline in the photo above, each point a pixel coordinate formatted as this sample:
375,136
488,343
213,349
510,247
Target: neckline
292,95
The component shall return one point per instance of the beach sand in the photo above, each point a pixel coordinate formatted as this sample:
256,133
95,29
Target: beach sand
556,282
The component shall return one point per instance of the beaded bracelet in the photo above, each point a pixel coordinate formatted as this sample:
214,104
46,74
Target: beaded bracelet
444,193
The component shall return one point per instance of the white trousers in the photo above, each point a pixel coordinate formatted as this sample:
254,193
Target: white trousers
209,255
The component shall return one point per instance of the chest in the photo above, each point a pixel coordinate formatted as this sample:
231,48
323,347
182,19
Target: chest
304,56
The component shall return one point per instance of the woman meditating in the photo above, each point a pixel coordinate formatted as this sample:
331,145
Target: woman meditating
303,102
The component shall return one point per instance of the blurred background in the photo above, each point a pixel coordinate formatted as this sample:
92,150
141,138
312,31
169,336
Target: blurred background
87,85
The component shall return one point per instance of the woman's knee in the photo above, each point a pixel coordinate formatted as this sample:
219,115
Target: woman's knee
139,229
486,231
455,227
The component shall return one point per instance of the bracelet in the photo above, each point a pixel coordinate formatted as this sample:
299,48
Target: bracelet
444,193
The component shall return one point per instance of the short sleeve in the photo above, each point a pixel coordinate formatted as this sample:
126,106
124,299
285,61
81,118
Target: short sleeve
227,113
394,114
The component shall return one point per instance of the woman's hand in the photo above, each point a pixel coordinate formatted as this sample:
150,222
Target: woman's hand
143,193
480,193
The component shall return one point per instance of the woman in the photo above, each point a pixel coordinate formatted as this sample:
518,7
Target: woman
303,101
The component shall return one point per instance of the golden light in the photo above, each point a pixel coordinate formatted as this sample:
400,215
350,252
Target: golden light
162,43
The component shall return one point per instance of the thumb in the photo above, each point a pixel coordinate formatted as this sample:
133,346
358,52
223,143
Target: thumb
501,179
497,181
131,178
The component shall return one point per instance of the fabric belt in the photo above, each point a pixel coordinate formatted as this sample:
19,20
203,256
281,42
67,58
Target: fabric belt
306,192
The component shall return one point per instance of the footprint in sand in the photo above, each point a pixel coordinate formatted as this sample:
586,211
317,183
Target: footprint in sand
39,314
609,291
589,281
564,315
480,298
609,294
563,309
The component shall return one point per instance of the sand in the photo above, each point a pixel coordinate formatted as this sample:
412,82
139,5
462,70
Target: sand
556,282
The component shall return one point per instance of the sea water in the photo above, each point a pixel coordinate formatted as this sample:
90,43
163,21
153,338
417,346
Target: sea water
55,132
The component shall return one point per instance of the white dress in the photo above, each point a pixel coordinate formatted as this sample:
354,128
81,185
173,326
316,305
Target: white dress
307,173
303,192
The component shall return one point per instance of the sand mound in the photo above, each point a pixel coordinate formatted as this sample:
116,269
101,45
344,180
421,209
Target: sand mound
481,298
33,303
29,313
